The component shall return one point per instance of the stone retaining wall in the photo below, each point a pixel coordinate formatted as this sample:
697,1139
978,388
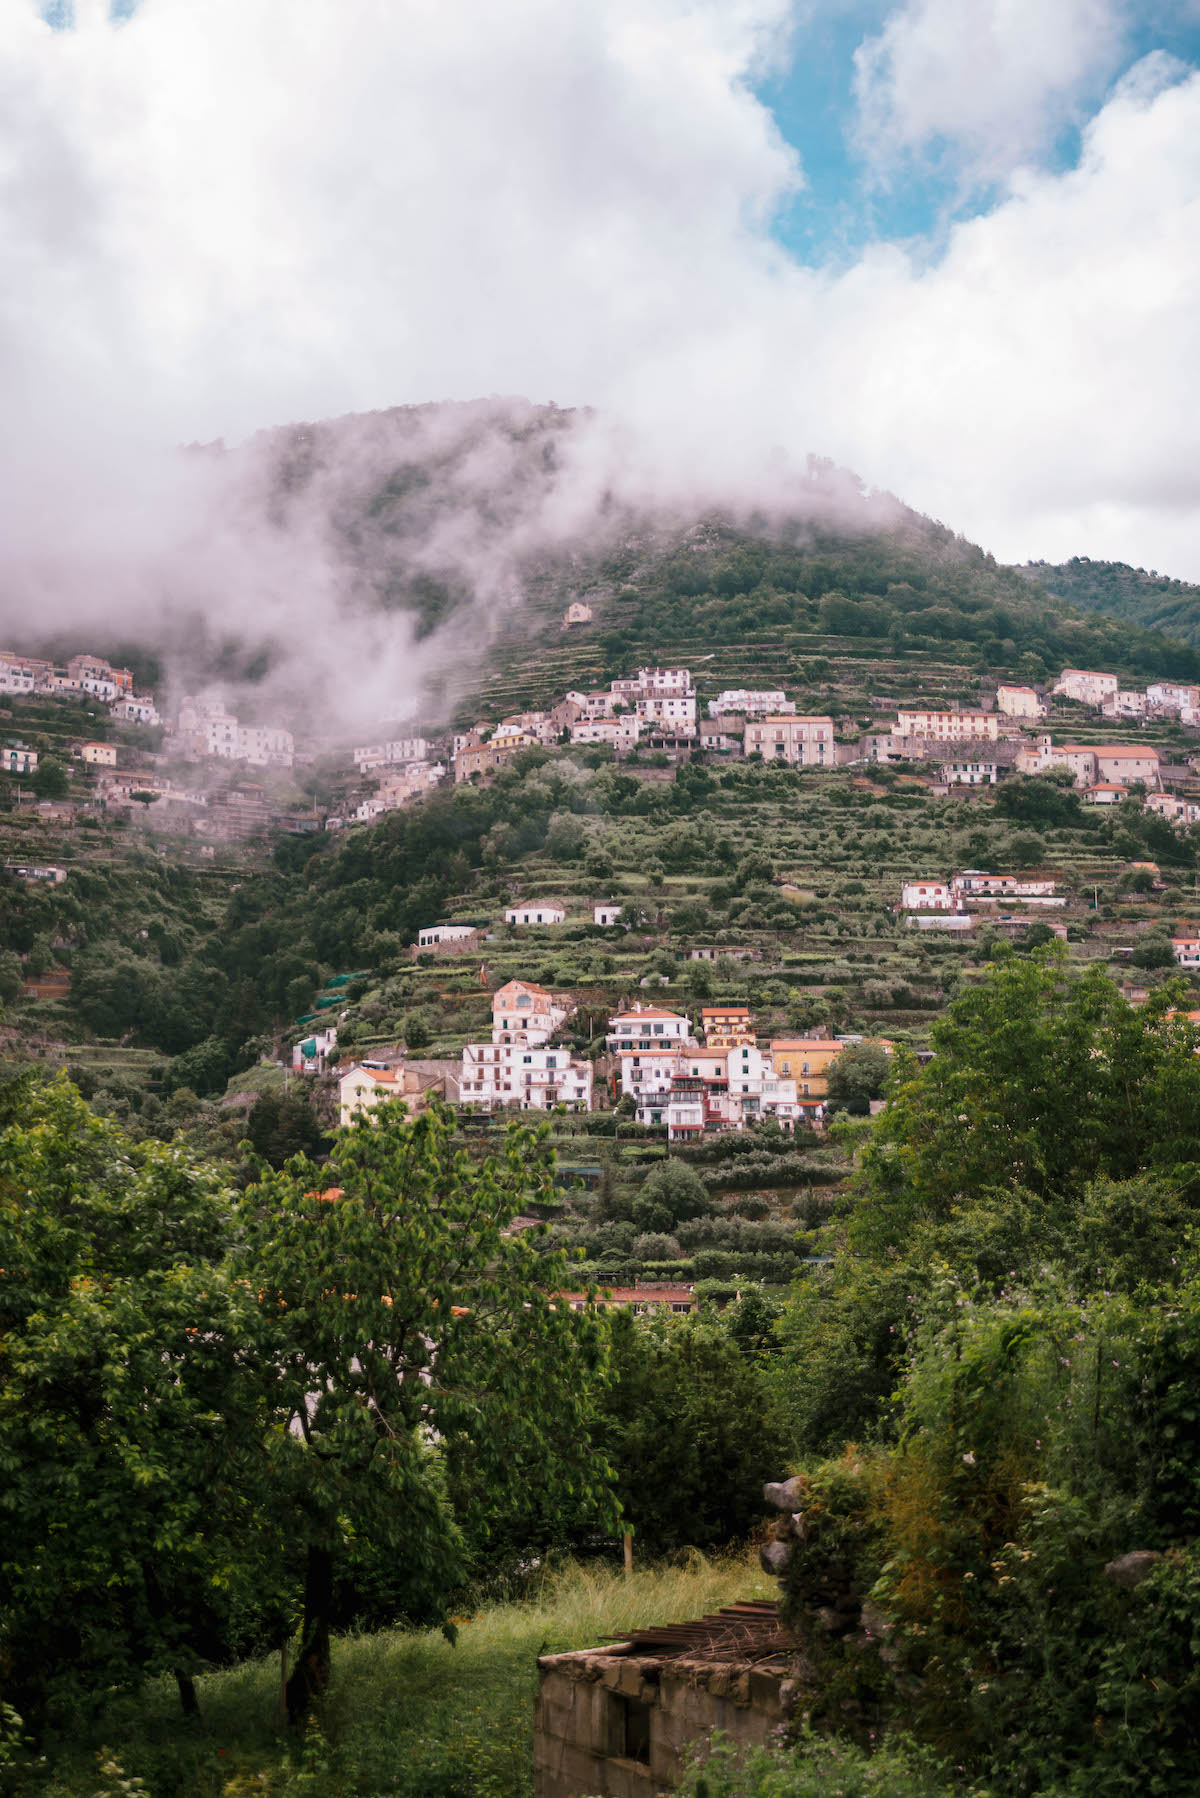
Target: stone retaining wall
612,1723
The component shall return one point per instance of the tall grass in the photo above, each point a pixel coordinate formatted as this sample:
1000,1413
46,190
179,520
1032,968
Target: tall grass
407,1715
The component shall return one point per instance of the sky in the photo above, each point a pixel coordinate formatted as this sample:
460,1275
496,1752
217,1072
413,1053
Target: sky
954,244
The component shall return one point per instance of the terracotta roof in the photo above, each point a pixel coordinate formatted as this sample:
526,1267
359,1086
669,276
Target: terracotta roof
1109,749
806,1042
647,1011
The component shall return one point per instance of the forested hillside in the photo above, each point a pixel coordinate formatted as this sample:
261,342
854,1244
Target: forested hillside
1146,600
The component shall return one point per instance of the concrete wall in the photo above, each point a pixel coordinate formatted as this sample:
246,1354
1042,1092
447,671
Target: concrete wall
594,1706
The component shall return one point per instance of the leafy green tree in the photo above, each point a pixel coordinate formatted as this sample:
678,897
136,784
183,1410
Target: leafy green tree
685,1426
284,1124
671,1194
50,779
134,1514
12,976
400,1313
857,1077
1041,1079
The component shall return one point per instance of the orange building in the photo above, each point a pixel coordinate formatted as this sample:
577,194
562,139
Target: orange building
727,1026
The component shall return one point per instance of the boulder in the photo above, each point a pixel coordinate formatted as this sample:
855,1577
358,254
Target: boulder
774,1557
785,1495
1131,1569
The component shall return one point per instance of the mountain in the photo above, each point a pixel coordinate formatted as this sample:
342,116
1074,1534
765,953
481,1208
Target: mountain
1139,597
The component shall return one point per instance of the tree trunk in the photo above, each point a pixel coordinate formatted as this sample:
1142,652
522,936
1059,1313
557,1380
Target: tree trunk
311,1674
187,1694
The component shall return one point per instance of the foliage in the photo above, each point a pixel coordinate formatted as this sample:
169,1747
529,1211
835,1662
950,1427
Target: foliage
400,1311
134,1526
685,1427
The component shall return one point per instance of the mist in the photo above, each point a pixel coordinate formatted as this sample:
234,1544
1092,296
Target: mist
216,221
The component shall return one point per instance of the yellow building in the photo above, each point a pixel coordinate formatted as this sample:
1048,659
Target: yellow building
100,755
807,1060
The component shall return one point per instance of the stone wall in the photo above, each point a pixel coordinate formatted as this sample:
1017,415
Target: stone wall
615,1723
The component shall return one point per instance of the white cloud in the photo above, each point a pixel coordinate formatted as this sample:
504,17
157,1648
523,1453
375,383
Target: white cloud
218,217
986,83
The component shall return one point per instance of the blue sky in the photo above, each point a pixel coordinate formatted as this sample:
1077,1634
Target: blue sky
844,204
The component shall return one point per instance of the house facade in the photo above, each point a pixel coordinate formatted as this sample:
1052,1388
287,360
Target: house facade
525,1014
433,934
1019,702
800,741
536,911
757,702
726,1026
525,1076
948,727
648,1027
606,913
1088,685
927,895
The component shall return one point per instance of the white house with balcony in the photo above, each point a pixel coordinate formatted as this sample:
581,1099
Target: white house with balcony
526,1014
648,1027
525,1076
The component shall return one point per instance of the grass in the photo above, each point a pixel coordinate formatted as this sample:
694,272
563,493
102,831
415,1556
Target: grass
407,1714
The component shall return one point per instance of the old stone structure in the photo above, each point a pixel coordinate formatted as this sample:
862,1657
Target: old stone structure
617,1722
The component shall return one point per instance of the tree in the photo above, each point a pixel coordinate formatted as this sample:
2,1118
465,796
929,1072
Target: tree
400,1314
685,1426
1042,1080
284,1124
50,779
857,1077
134,1521
670,1195
1153,952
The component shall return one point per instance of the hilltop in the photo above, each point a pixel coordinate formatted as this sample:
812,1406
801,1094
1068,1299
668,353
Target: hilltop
1139,597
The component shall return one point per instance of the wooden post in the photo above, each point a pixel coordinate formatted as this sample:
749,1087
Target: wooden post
628,1554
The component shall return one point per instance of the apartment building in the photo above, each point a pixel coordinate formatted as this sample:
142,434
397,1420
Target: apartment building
648,1027
525,1076
395,751
726,1026
799,741
759,702
1088,685
622,733
949,727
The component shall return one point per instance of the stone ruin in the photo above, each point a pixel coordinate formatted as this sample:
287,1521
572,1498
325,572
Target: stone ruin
619,1721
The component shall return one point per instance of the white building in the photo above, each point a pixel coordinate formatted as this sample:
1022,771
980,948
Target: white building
577,613
622,733
927,895
606,913
17,674
589,705
974,884
311,1053
444,933
1019,702
671,714
1171,697
525,1076
752,703
970,774
756,1091
537,911
1088,685
133,710
648,1027
1186,949
16,759
390,754
654,683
